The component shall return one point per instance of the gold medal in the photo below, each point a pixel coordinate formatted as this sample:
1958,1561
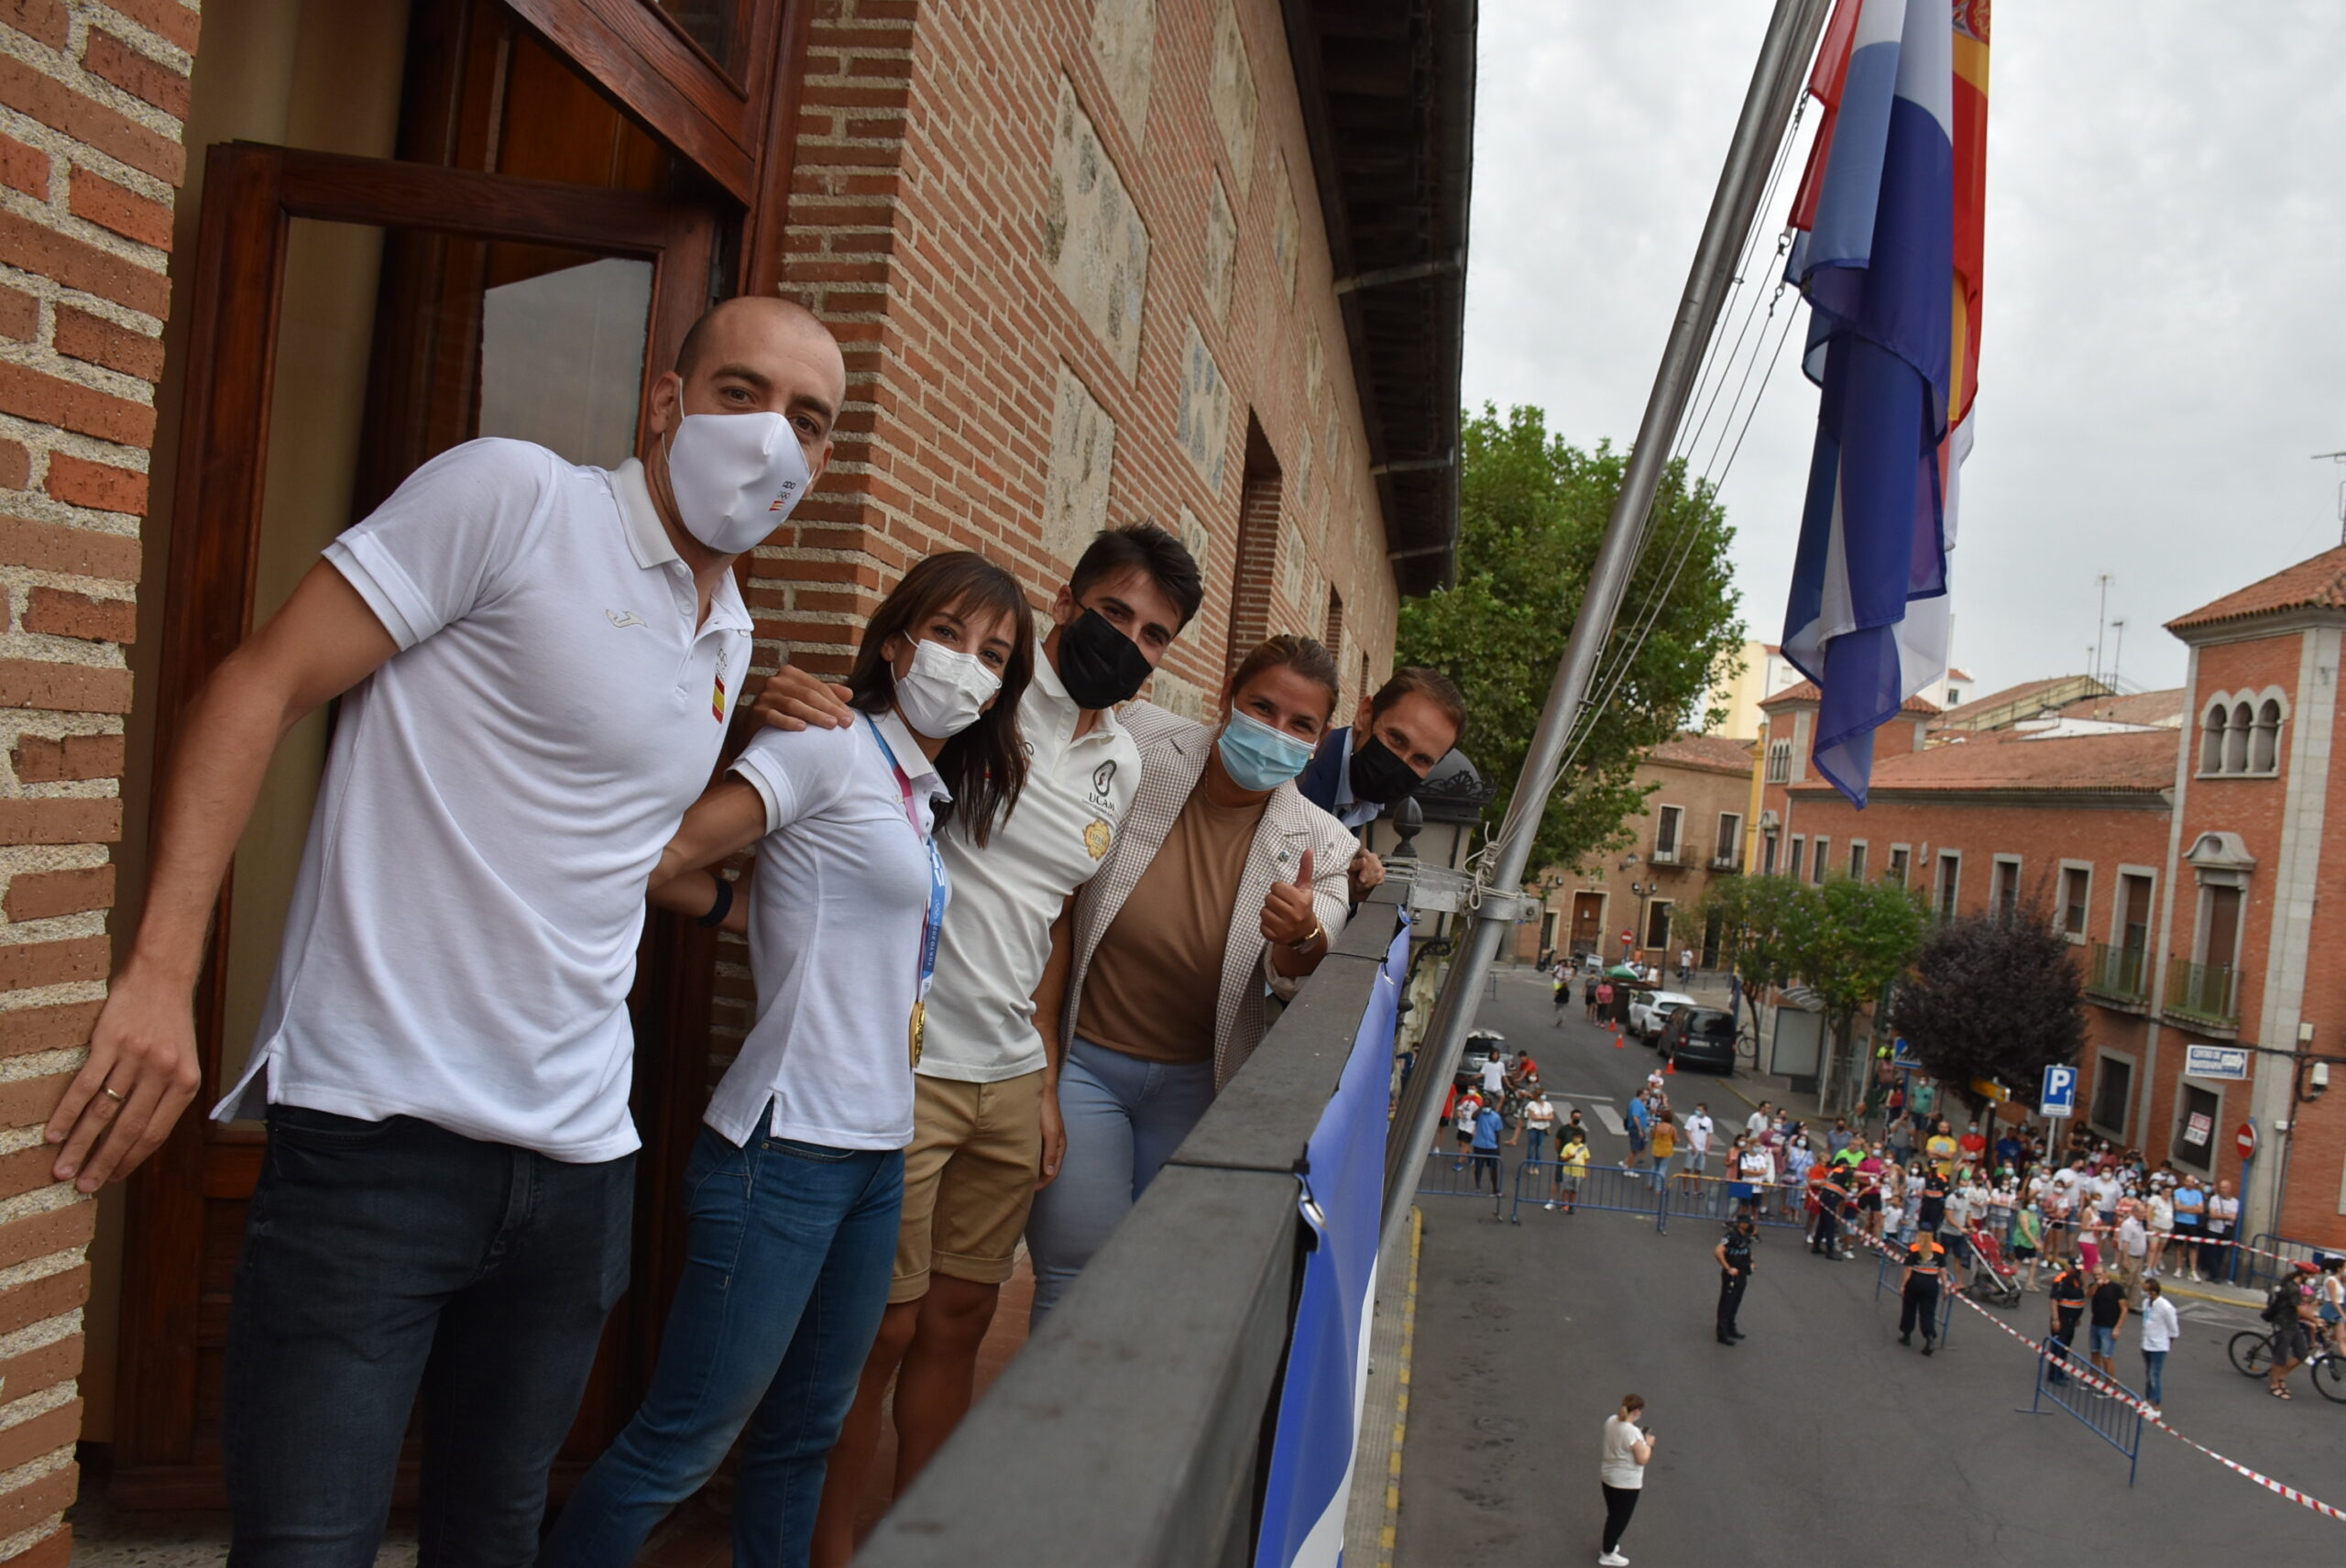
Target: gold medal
1095,837
920,1021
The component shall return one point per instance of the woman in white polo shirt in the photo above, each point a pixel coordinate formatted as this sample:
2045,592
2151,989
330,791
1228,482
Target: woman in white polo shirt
794,1185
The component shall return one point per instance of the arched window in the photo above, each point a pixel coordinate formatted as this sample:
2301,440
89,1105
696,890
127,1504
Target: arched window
2265,744
2212,740
2236,739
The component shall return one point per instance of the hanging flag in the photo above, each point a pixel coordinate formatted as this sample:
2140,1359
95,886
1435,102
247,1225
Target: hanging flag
1887,252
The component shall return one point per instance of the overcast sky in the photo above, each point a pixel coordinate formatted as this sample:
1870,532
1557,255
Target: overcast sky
2164,325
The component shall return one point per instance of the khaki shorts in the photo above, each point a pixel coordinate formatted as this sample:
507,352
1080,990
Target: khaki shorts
970,1177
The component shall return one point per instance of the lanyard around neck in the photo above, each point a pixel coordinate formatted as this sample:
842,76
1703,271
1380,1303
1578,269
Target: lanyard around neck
933,923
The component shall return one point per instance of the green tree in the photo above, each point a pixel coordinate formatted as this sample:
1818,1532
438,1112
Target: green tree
1754,915
1847,942
1532,511
1992,998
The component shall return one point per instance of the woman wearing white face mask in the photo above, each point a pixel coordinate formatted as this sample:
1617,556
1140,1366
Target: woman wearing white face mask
794,1185
1223,876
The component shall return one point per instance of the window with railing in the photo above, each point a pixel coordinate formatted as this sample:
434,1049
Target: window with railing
1858,860
1900,863
1666,822
2077,895
2005,900
2119,974
1950,883
2207,993
1823,859
1729,849
1793,866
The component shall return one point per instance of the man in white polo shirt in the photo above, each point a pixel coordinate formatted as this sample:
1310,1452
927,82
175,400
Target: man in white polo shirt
537,662
986,1107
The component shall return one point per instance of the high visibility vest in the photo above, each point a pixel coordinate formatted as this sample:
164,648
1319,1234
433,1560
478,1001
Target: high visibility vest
1924,1259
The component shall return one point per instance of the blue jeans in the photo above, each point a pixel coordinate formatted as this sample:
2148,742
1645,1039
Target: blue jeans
1539,1135
2155,1375
385,1258
788,1256
1124,1118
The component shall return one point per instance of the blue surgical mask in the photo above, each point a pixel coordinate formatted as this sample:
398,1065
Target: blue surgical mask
1258,757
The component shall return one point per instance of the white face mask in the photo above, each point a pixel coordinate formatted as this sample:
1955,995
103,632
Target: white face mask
945,691
735,477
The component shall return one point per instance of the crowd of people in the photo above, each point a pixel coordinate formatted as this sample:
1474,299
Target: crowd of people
1011,932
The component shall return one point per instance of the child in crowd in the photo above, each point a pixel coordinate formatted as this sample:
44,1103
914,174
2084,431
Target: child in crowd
1573,1160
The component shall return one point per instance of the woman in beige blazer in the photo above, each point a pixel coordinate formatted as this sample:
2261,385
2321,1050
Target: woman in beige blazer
1224,882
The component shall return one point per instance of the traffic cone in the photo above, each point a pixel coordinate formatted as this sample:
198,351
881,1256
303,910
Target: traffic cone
1619,1044
1671,1070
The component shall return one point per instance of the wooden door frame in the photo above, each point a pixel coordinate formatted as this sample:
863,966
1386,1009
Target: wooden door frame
252,194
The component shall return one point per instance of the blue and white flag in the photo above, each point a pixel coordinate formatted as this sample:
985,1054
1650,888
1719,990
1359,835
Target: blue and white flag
1327,1364
1867,619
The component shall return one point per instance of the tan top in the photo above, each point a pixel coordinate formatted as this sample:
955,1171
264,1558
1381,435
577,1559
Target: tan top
1155,978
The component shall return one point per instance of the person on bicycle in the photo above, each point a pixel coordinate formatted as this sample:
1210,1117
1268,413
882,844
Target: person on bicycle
2292,1313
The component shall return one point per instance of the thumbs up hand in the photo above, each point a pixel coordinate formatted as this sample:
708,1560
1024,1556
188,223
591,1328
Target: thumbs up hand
1289,919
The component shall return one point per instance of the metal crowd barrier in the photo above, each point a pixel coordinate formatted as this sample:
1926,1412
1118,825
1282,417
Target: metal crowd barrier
2116,1418
1886,1282
2268,1256
1618,1189
1448,1174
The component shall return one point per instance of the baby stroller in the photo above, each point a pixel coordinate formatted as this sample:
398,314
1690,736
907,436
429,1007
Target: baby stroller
1994,1277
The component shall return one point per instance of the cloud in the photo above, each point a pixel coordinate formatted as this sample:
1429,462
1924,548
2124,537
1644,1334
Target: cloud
2164,345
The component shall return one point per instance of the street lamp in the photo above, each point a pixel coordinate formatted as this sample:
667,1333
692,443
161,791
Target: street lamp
1643,890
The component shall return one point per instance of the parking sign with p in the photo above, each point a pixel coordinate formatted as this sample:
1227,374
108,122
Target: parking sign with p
2060,1096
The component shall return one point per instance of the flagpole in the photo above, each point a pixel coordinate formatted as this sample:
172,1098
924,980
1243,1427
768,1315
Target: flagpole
1777,82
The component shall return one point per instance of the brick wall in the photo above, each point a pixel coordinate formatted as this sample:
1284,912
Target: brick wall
91,101
1073,253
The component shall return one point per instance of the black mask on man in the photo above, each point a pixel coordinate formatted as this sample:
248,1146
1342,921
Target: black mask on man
1378,775
1100,666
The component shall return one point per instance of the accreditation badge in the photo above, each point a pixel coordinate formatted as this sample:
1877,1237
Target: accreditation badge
920,1023
1096,838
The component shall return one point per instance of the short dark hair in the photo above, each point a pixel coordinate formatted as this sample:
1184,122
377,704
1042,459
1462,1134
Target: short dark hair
1143,546
1432,685
1306,656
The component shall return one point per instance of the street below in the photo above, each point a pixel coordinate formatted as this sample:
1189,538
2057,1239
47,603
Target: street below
1818,1435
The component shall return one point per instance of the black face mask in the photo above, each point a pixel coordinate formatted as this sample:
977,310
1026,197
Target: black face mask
1378,776
1100,666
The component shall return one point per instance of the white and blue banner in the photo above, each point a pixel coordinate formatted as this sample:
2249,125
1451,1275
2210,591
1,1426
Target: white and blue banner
1327,1366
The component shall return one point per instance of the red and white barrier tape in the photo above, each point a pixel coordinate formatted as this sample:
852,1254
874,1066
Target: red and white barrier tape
2076,1369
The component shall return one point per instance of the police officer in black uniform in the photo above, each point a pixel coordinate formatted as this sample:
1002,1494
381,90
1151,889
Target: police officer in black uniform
1919,1287
1734,1253
2068,1296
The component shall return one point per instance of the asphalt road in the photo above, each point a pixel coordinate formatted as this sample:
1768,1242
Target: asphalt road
1818,1435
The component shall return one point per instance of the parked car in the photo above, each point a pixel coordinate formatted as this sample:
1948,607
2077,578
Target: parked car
1700,1036
1650,1010
1481,1046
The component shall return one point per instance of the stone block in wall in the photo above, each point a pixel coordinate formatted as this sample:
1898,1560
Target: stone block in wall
1124,40
1199,540
1203,423
1093,239
1170,692
1221,247
1315,366
1230,93
1286,230
1083,454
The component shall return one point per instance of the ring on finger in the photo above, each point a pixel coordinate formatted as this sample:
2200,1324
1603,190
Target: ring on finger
117,1096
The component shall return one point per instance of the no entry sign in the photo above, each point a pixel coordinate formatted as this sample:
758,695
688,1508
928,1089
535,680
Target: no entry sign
2246,1141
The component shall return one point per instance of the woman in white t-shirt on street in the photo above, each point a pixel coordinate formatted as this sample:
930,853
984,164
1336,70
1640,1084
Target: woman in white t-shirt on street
1628,1447
793,1191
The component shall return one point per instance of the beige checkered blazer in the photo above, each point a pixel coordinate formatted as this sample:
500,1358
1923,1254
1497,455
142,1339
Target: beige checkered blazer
1172,757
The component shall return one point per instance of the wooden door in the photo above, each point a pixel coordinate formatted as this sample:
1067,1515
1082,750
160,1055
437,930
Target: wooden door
528,248
1589,922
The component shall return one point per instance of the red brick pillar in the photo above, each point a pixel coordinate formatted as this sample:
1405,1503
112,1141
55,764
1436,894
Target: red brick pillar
92,98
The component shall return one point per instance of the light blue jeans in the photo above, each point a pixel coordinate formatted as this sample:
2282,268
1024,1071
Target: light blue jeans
1124,1118
788,1255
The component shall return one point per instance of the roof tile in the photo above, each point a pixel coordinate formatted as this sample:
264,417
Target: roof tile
2316,583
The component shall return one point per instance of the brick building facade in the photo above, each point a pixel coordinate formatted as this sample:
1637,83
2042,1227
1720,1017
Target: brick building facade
1093,260
1691,830
2177,837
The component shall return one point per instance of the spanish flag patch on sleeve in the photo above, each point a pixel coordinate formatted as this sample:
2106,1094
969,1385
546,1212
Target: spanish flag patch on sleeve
717,703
